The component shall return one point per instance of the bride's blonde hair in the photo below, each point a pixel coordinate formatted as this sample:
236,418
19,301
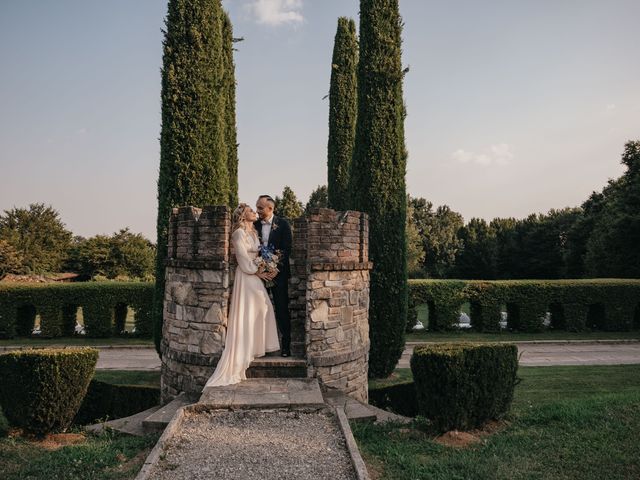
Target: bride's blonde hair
239,222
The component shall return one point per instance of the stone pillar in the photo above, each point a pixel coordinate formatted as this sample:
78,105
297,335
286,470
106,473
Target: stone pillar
337,313
196,298
298,288
328,290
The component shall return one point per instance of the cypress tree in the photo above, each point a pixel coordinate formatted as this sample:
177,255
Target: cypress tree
342,112
231,136
377,180
193,154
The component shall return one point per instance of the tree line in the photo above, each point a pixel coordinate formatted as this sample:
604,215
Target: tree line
35,241
600,238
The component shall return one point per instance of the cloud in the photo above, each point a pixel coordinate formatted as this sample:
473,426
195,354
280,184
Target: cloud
499,154
276,12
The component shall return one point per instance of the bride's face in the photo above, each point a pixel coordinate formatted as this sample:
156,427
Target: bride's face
250,215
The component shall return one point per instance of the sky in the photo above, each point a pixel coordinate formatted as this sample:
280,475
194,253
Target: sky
513,107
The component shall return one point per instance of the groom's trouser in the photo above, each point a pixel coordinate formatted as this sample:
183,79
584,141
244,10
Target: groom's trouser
280,292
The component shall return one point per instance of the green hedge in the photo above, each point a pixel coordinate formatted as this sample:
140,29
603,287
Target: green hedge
106,401
103,306
4,424
575,305
41,390
399,398
461,386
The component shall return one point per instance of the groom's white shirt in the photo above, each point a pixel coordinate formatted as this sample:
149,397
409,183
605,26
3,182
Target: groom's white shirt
266,230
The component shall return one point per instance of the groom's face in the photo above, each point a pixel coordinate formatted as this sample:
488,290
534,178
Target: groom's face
264,208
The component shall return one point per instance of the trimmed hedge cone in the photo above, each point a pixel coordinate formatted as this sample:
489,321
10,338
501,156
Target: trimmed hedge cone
41,390
377,179
461,386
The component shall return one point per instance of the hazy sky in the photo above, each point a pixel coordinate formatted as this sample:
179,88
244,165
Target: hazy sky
514,107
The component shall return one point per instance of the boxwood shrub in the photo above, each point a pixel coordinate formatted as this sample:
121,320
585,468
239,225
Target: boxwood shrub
461,386
399,398
107,401
574,305
4,424
103,305
42,389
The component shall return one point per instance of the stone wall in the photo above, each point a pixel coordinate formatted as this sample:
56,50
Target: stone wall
337,297
196,298
328,290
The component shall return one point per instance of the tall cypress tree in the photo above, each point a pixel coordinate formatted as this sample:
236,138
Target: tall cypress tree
342,112
231,136
377,179
193,154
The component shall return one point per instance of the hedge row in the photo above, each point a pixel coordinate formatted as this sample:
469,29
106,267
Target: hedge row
461,386
574,305
41,390
103,306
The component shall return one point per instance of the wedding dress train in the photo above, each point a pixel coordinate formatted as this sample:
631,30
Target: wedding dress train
251,326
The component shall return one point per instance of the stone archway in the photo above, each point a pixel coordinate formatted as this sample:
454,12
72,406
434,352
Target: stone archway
329,298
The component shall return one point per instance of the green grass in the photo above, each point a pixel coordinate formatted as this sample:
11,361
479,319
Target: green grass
108,456
566,423
400,375
129,377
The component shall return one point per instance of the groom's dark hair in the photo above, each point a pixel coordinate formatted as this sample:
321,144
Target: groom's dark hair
269,199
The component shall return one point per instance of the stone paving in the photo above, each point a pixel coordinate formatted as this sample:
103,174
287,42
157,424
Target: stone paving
262,428
265,393
533,354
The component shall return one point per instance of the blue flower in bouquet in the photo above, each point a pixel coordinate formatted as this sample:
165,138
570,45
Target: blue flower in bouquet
267,261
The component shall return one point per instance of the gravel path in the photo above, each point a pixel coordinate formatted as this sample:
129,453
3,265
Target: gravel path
256,445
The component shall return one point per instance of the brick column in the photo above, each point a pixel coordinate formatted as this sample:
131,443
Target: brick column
196,298
337,313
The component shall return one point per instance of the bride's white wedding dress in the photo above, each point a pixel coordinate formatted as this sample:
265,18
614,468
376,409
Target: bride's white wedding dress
251,327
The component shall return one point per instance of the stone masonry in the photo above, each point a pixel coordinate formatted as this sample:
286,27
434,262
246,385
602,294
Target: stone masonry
196,298
328,290
337,299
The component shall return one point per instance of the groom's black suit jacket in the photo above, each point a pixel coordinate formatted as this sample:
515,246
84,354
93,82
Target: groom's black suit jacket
280,238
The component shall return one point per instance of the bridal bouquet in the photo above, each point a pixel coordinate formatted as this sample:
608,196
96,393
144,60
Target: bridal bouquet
267,261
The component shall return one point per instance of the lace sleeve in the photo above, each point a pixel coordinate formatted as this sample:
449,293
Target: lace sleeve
245,263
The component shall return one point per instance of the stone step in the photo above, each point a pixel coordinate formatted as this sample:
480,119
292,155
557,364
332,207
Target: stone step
358,411
131,425
265,393
277,367
158,420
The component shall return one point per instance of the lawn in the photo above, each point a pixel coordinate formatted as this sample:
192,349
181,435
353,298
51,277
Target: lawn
566,423
108,456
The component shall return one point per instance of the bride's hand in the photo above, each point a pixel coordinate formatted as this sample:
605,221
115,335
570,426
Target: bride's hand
264,275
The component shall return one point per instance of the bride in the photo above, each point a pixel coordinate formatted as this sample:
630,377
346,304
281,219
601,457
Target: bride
251,327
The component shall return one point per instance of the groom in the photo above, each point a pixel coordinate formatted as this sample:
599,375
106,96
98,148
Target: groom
273,230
